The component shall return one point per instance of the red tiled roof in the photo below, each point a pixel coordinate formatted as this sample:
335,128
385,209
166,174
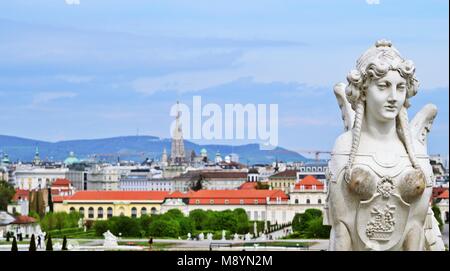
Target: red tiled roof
308,183
178,194
235,196
443,195
215,175
290,173
248,186
61,182
59,198
22,194
118,195
23,219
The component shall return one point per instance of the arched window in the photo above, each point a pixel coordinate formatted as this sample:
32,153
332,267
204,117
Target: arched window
133,212
153,211
296,201
100,212
109,212
308,201
255,215
143,211
319,201
91,212
72,209
81,210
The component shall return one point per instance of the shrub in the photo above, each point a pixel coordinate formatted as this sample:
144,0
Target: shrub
100,227
165,228
32,244
49,246
14,245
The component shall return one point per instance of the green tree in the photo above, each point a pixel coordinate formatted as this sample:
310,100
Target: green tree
100,227
241,221
199,218
6,194
14,245
32,244
145,222
165,228
437,215
308,215
49,246
174,214
125,225
48,222
61,220
296,222
186,225
316,229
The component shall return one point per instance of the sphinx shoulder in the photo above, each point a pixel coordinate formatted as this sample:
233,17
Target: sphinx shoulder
339,156
343,143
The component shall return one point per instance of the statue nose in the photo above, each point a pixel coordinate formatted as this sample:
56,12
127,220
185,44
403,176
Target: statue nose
392,95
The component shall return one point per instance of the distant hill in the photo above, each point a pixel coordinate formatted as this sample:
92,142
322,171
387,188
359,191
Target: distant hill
135,148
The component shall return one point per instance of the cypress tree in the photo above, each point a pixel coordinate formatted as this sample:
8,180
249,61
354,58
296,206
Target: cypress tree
14,245
8,235
49,246
64,245
32,244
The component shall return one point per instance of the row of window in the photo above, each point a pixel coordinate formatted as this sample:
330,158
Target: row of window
109,211
197,201
308,201
314,169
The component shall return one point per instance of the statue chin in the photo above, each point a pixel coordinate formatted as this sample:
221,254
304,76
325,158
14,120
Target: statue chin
412,185
362,183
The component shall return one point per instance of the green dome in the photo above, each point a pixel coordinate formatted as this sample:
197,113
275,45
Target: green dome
71,159
6,160
203,151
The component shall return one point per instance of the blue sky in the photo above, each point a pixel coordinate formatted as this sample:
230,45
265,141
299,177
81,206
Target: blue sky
105,68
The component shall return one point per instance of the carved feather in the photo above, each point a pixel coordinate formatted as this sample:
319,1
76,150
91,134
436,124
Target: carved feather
421,125
348,114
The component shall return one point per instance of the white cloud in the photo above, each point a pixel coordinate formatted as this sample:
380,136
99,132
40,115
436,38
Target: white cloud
75,79
45,97
72,2
373,2
184,82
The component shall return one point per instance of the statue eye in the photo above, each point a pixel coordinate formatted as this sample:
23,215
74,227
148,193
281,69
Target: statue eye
401,87
382,85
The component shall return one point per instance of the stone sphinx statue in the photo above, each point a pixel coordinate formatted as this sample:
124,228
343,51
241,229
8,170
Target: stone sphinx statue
380,179
110,240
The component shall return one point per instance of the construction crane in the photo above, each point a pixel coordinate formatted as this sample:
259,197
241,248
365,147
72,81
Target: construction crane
315,152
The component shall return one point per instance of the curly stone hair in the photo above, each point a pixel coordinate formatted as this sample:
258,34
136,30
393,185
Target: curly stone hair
372,65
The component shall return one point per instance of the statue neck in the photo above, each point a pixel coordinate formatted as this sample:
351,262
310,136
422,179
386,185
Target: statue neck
380,130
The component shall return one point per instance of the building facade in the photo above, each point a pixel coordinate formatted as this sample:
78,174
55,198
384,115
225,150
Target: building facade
101,205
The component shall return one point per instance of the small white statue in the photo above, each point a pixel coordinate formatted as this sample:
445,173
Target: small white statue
189,236
223,235
263,237
248,237
201,236
80,223
110,240
380,178
209,236
236,237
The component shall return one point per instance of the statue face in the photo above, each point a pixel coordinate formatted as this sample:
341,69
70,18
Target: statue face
386,96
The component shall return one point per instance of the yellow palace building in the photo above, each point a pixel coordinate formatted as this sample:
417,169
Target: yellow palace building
104,204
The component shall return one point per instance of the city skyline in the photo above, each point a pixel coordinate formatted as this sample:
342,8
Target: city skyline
76,71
